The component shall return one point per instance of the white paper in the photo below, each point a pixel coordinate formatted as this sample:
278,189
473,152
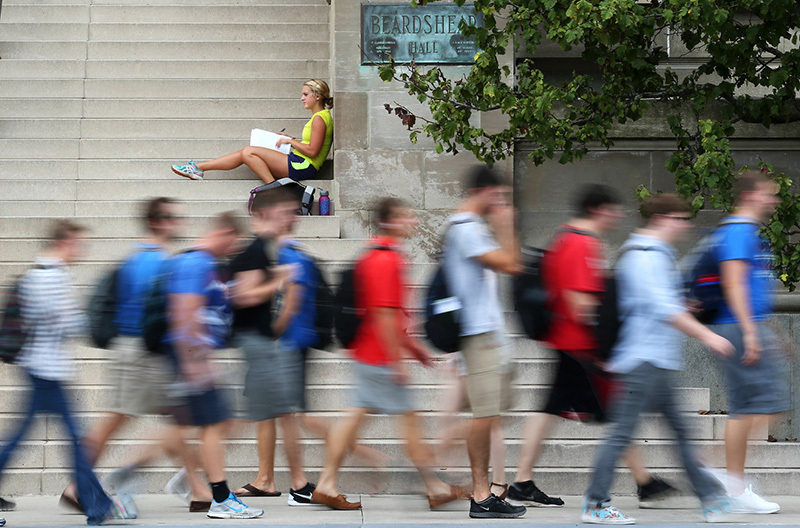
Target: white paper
265,139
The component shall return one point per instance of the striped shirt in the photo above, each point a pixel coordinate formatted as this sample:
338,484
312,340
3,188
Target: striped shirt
51,314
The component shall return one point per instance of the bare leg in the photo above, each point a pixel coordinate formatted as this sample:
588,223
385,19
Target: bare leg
498,457
226,162
422,457
479,445
212,450
265,480
174,444
536,430
737,431
294,453
340,438
268,164
635,461
95,442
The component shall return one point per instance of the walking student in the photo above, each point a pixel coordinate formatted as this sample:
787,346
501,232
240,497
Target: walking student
141,376
273,384
200,320
51,314
380,349
752,373
574,272
472,258
648,353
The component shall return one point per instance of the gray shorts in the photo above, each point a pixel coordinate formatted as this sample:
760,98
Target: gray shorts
273,384
140,377
759,388
377,390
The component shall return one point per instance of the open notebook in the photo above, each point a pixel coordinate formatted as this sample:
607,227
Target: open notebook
266,139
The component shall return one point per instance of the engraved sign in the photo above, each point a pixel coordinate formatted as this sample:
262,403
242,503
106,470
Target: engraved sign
427,35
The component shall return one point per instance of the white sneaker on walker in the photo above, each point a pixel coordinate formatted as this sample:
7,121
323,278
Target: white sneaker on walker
749,502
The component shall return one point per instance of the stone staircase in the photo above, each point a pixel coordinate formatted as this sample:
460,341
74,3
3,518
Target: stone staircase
98,98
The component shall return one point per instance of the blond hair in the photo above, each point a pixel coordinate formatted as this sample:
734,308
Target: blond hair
320,88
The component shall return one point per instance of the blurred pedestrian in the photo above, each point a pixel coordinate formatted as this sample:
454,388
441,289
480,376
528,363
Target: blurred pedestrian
472,258
574,273
648,352
51,314
756,389
380,348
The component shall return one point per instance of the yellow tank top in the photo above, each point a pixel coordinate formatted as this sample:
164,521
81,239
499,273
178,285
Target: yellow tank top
326,144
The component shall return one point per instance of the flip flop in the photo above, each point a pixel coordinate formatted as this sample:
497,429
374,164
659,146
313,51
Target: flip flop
252,491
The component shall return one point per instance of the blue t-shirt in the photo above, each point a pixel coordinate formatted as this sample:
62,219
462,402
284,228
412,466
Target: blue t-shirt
197,272
134,279
301,332
744,242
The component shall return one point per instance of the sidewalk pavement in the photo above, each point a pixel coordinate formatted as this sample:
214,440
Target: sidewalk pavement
381,511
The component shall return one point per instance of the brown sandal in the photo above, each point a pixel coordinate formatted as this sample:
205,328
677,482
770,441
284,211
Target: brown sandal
337,503
505,490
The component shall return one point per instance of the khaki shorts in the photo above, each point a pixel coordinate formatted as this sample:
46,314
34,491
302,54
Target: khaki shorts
489,376
140,377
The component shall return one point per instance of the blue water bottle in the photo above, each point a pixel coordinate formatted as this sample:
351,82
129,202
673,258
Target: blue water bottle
324,203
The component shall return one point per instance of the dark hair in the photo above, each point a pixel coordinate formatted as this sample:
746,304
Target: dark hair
387,207
483,176
271,198
228,221
65,229
593,196
153,209
664,204
748,181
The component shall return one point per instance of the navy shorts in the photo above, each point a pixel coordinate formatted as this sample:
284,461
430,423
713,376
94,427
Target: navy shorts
201,409
300,168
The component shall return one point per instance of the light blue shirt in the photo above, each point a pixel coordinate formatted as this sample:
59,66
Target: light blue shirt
649,297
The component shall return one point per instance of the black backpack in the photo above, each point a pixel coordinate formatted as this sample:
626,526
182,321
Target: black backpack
326,309
442,314
155,321
346,314
102,310
13,332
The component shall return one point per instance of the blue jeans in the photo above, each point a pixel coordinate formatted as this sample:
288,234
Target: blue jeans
49,396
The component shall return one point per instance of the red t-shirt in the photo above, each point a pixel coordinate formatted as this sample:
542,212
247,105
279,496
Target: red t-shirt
379,278
574,262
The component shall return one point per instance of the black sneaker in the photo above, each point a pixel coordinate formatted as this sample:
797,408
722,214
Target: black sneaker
6,505
301,497
654,493
527,494
494,508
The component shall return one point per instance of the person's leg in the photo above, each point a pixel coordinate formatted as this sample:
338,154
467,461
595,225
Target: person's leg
268,164
265,443
705,486
38,397
634,459
498,459
537,428
737,432
422,457
294,452
339,439
95,442
637,395
212,450
174,444
93,499
478,446
226,162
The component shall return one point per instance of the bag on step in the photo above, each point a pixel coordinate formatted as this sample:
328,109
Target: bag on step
304,193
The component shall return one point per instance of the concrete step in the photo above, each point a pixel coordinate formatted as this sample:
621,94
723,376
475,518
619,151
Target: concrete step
42,101
231,14
41,128
186,69
37,89
198,108
42,49
432,424
135,190
42,69
197,89
353,481
132,50
25,32
178,128
39,13
337,397
265,32
105,227
123,170
39,148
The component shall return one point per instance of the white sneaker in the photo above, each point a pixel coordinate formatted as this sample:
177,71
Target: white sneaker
749,502
232,508
179,485
607,515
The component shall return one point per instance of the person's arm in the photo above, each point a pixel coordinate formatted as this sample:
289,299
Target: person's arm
584,285
735,288
188,331
390,331
291,305
689,325
251,287
505,259
313,148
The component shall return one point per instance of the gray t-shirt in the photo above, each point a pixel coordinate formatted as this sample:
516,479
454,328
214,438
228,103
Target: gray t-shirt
468,237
